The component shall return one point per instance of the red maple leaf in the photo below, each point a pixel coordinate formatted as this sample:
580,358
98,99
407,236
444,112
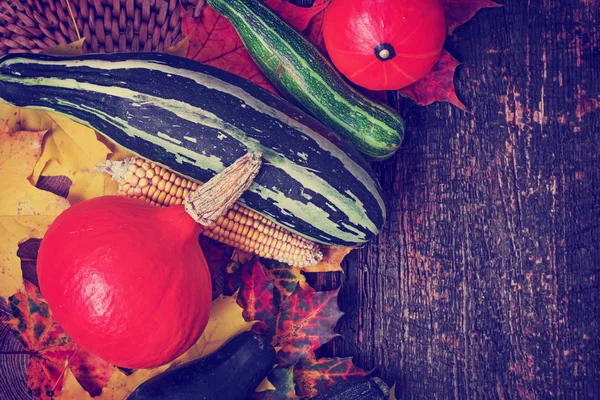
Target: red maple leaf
285,280
233,271
256,293
298,17
49,348
315,376
214,41
218,257
437,85
305,321
460,11
314,31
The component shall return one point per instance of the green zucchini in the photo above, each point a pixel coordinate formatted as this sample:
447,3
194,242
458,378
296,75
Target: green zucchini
196,120
356,389
233,372
299,70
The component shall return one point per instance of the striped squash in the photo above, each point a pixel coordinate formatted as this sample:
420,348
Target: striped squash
299,70
196,120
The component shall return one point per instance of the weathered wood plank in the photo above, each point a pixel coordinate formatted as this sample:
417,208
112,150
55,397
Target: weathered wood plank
484,283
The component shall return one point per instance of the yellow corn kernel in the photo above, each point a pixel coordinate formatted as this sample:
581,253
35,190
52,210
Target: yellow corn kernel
239,227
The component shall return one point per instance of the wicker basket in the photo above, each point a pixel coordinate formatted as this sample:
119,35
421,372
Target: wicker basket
108,25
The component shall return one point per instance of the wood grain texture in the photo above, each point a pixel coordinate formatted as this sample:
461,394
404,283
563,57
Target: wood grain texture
484,282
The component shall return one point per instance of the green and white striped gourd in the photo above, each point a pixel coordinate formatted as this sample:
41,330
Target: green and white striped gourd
305,76
196,120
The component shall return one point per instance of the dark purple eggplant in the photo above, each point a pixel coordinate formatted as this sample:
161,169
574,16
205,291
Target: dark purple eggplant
233,372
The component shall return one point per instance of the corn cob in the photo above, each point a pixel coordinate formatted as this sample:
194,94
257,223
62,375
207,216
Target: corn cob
239,227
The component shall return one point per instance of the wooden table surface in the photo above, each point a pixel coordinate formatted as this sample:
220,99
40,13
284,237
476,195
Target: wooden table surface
485,280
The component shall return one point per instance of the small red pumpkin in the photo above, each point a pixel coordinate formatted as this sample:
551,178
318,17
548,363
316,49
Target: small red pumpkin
384,44
126,281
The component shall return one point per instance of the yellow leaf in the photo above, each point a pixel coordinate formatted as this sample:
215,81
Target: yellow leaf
119,386
225,322
53,168
180,49
89,185
265,385
22,119
71,389
71,49
117,153
73,145
25,211
19,151
71,148
78,151
332,259
393,392
15,230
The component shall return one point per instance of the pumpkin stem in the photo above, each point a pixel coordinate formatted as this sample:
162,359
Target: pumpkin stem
384,51
212,199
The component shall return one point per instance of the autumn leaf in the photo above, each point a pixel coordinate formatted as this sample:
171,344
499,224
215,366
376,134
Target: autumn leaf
225,322
180,49
218,256
50,349
296,16
27,252
233,276
71,49
214,41
232,280
305,321
265,385
117,153
69,149
437,85
71,389
239,257
76,152
25,211
119,386
285,280
13,359
315,376
392,392
460,11
224,263
314,31
283,381
59,185
332,259
256,293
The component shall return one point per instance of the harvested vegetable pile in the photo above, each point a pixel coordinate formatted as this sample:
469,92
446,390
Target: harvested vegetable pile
51,163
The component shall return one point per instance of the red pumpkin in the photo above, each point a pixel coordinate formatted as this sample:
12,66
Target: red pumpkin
127,281
384,44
